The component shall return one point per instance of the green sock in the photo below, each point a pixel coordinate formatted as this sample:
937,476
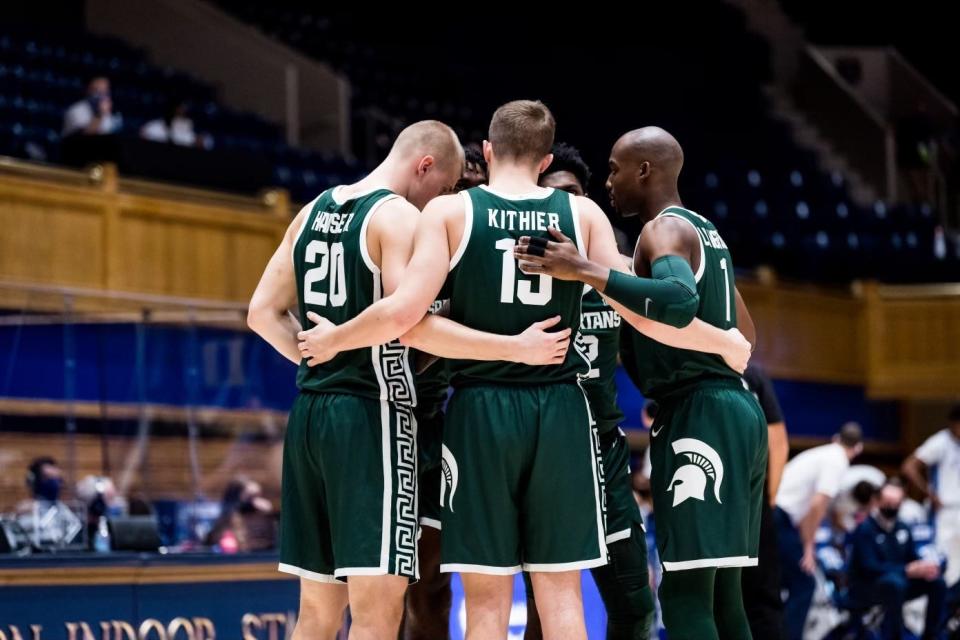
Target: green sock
624,585
686,600
731,617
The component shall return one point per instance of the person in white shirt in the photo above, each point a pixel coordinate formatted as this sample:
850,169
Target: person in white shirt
94,114
810,482
175,127
941,451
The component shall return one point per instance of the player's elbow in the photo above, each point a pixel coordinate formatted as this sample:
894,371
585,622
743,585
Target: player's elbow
256,317
401,319
416,336
680,313
412,338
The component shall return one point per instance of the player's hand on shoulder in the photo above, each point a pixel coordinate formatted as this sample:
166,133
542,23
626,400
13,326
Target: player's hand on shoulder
736,352
316,344
557,257
538,345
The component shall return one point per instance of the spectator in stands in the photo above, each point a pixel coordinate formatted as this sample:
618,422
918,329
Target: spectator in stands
810,481
761,584
94,114
246,521
885,568
174,127
941,451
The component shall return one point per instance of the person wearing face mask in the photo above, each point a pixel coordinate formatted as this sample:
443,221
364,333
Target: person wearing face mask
885,568
93,115
47,520
246,521
45,479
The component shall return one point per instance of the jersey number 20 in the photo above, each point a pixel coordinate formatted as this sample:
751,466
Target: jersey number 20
331,263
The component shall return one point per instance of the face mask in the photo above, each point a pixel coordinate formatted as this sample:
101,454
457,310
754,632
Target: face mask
247,507
48,489
890,513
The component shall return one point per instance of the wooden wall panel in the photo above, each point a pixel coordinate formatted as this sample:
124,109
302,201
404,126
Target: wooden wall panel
96,231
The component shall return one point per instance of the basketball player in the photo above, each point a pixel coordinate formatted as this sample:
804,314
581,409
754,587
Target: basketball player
349,503
522,480
624,583
709,440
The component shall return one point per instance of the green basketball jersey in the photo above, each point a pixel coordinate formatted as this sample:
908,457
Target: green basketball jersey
662,368
599,342
337,279
488,292
433,384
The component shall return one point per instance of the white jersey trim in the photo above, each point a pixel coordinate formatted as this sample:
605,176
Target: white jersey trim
338,189
720,563
307,575
554,567
619,535
541,193
303,225
479,568
467,230
703,254
364,248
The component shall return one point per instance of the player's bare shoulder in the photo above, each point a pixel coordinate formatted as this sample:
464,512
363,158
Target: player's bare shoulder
448,207
666,235
395,217
447,212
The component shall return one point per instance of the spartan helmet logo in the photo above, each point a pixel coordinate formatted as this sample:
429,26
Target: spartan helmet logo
690,480
451,475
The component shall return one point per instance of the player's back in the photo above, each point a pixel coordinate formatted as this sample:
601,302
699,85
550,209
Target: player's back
662,369
489,292
337,279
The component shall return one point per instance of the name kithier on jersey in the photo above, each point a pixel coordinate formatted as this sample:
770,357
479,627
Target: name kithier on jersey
522,220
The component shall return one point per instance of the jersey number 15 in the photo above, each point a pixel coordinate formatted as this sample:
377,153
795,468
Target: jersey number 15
524,288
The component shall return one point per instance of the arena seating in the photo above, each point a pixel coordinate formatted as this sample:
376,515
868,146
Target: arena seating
769,197
42,72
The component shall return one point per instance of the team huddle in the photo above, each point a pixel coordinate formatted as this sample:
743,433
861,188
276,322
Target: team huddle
515,294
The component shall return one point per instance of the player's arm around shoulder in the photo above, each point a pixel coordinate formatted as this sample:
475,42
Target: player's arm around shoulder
394,233
695,334
276,293
439,231
415,258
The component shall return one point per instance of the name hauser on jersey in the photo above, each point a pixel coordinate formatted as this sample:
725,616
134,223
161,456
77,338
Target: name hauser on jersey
332,222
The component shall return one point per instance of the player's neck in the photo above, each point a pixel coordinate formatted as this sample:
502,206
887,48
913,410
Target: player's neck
659,202
513,178
384,176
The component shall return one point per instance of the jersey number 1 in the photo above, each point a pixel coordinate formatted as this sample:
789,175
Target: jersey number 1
524,288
